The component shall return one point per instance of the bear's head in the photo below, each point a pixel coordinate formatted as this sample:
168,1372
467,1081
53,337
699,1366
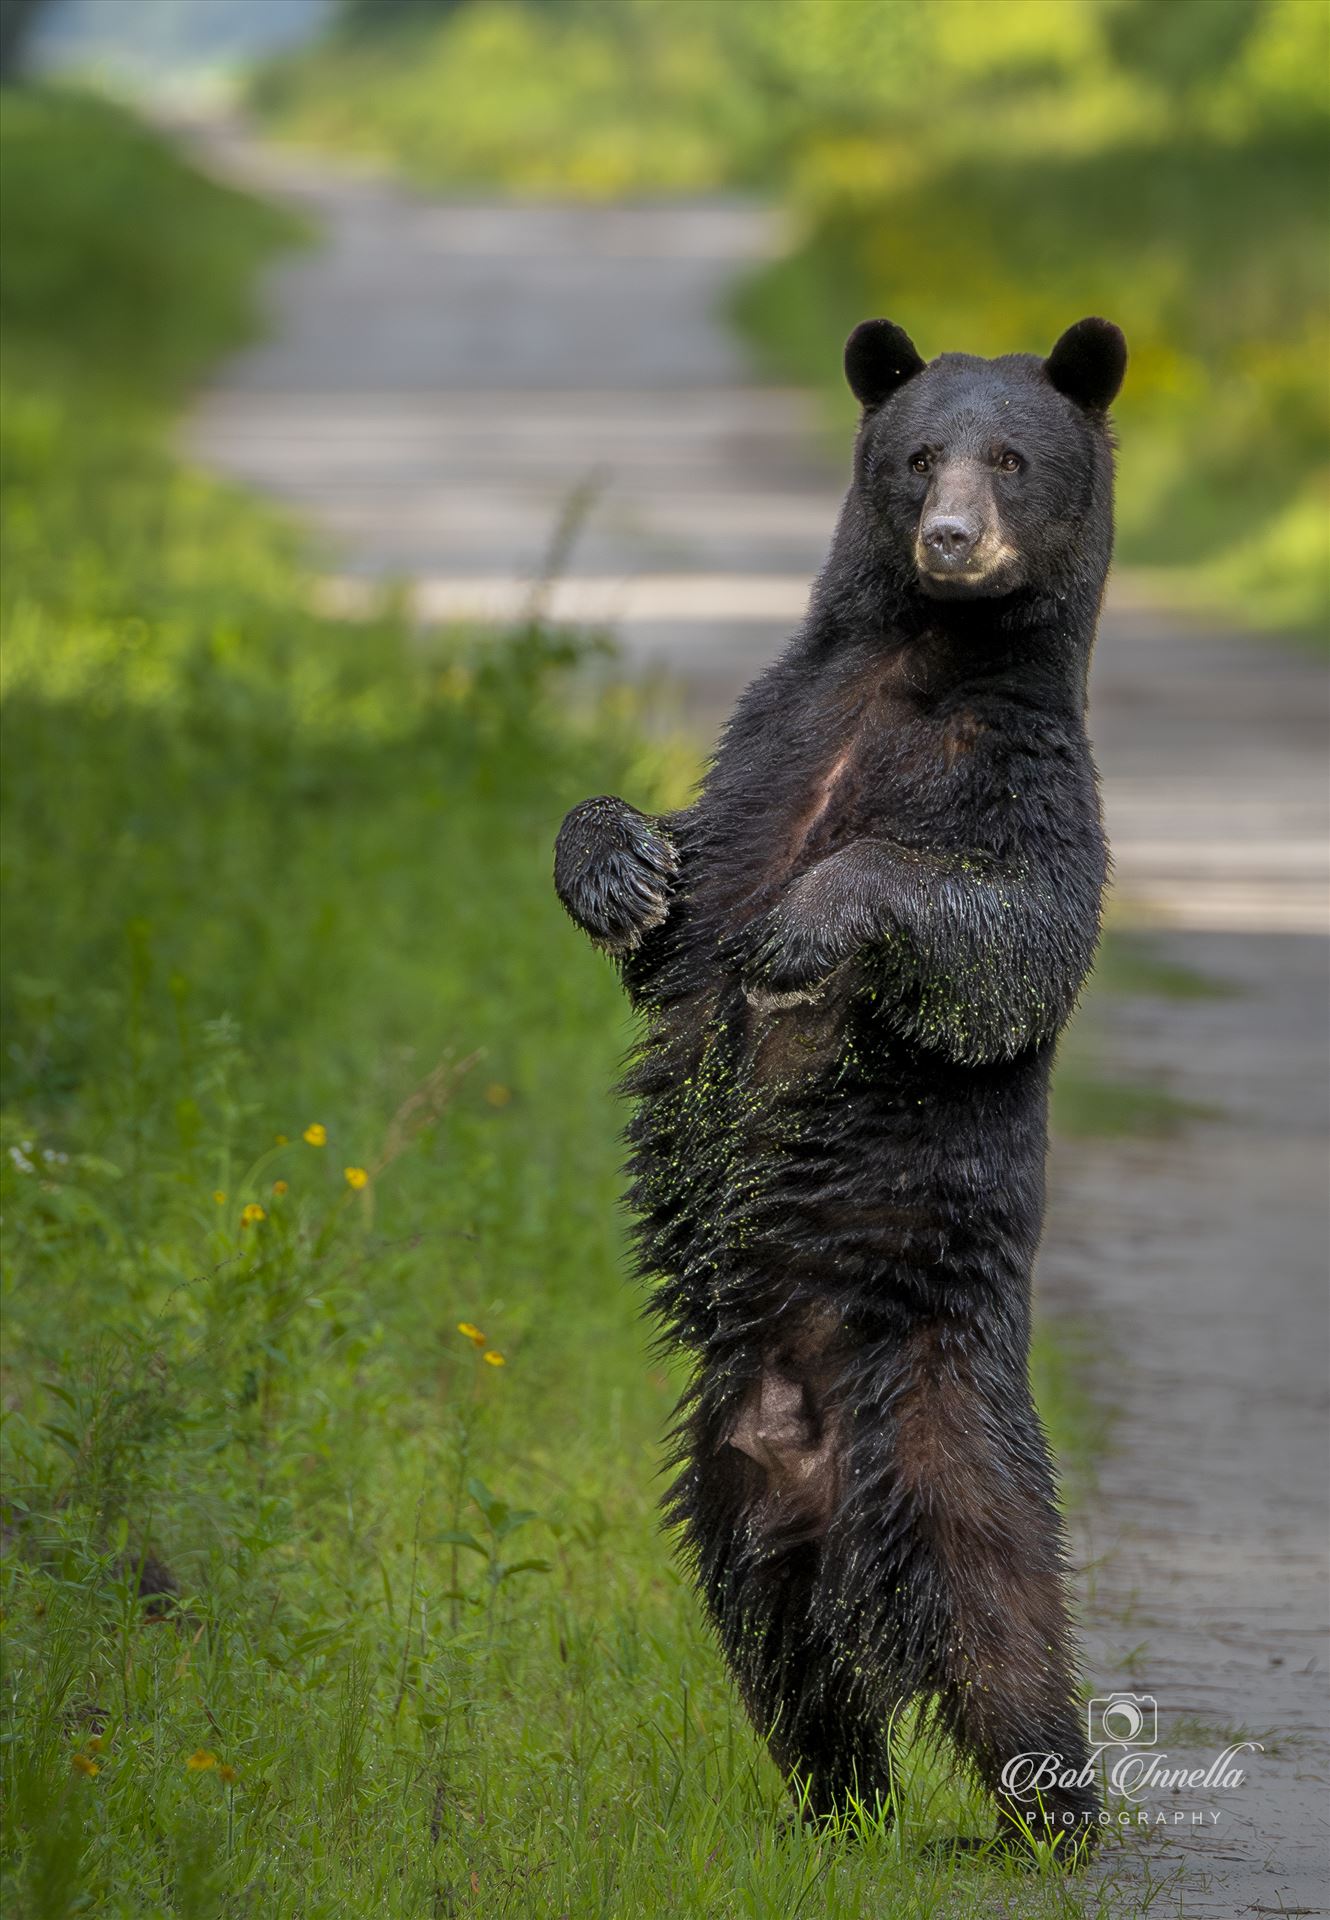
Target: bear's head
982,477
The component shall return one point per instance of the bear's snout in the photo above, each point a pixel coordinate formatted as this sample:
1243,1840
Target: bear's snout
959,546
948,540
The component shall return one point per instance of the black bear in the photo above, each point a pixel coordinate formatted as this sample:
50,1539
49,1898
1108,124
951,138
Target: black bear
853,954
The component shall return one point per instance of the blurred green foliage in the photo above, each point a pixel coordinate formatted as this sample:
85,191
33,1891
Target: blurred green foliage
132,307
984,171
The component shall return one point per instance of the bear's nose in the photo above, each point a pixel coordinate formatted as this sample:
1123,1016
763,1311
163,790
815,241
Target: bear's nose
949,540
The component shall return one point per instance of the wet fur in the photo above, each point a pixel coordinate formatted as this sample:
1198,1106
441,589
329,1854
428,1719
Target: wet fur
886,899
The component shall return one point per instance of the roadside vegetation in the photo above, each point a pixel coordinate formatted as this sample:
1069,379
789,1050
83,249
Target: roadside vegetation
331,1578
983,171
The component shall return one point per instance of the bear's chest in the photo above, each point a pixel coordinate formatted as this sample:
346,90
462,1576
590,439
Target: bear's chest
872,754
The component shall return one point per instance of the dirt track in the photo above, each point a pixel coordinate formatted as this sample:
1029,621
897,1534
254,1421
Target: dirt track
438,378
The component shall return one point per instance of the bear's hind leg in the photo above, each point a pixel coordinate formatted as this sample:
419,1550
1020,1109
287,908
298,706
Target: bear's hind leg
973,1464
757,1497
823,1729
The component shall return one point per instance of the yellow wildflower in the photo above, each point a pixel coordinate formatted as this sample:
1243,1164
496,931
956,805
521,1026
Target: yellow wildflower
219,1197
227,1774
200,1760
472,1333
316,1133
281,1139
356,1177
81,1764
252,1214
94,1745
493,1359
280,1187
498,1095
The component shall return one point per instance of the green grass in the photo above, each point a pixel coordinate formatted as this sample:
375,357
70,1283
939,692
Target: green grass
1090,1100
1089,1105
1130,965
308,1609
984,171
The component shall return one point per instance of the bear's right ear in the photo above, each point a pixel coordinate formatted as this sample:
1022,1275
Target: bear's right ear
879,357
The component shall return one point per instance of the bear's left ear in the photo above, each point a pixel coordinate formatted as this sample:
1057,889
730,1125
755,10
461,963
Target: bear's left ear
1088,363
879,357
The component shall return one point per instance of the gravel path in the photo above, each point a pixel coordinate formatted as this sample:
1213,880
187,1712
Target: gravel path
440,378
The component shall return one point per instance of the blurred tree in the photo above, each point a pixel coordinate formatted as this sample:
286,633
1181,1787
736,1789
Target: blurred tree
1179,44
16,21
368,16
373,16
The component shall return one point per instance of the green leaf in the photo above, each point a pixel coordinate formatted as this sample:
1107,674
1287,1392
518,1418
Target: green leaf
524,1566
512,1521
452,1539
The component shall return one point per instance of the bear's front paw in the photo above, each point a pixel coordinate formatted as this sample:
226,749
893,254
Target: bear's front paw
787,959
826,917
613,871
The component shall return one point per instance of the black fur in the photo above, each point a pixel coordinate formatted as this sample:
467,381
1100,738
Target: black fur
1088,363
879,357
880,910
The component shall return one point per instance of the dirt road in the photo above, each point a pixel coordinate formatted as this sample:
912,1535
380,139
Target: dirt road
438,379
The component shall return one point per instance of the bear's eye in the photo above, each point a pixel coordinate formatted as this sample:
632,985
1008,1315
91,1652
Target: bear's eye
1010,462
920,463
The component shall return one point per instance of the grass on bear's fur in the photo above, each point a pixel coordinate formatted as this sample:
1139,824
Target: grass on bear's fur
311,1605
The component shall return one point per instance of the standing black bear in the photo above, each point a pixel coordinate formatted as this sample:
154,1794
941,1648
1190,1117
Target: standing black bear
854,954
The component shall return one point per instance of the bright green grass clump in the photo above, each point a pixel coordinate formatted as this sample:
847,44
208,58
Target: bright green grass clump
983,171
331,1579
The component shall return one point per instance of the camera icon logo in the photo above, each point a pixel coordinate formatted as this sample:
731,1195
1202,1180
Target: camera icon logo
1123,1720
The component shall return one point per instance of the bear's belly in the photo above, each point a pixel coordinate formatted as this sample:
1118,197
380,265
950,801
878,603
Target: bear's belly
805,1146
